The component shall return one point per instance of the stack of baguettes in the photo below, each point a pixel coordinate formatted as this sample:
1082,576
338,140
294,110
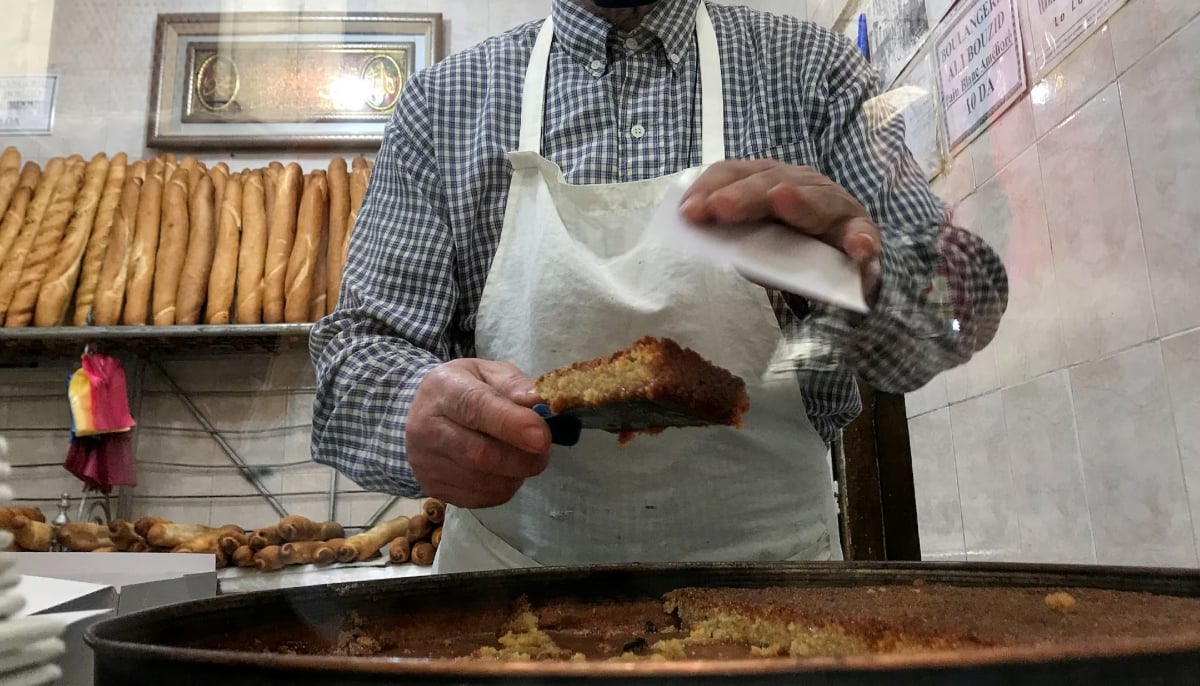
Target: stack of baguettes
110,242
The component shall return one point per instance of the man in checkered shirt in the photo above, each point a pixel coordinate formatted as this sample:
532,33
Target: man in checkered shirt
404,404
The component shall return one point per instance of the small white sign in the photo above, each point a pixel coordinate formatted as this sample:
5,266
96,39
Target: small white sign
981,66
1058,26
27,102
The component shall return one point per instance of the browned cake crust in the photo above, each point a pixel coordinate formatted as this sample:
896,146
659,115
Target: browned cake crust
656,370
725,624
797,621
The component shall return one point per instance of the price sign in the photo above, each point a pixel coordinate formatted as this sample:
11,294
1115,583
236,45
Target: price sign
981,66
27,102
1058,26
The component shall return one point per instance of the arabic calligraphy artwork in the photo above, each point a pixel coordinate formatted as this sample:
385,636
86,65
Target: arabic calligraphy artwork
271,80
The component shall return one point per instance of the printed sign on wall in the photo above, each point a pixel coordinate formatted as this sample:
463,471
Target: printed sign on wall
27,103
1058,26
981,66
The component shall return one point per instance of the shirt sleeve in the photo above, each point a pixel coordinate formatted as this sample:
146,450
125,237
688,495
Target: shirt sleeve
397,301
943,289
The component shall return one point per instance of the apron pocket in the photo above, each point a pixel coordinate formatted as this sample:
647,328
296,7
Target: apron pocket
469,546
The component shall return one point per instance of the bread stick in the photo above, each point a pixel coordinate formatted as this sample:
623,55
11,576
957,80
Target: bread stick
46,244
172,249
281,236
198,262
97,246
339,219
223,277
58,285
252,251
306,246
114,272
368,544
144,247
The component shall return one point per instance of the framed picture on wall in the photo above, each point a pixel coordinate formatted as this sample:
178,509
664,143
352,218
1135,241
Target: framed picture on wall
268,80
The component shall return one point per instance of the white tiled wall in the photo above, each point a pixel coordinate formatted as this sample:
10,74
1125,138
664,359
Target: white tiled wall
260,404
1071,437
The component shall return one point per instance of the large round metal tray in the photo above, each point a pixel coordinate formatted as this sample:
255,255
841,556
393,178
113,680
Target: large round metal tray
145,648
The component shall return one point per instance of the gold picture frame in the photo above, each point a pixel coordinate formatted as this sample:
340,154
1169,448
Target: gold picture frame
278,80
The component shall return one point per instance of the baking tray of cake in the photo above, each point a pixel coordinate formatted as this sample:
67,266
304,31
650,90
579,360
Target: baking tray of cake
894,623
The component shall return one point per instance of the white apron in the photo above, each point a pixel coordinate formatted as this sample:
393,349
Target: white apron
576,276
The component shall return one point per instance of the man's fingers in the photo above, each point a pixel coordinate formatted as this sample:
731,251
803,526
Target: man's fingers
474,451
722,174
478,406
509,381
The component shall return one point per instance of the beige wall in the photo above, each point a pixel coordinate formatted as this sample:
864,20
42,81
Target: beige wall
25,35
1072,437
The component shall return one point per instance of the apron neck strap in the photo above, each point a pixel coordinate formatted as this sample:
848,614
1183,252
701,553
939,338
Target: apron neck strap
712,111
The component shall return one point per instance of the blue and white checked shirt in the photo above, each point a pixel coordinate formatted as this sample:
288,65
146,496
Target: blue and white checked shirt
624,106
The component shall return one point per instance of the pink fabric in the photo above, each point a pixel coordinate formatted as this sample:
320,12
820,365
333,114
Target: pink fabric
110,400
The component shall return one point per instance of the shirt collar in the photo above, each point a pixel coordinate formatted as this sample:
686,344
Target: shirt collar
585,34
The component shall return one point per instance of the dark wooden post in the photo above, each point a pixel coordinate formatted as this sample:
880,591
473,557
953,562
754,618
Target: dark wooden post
874,469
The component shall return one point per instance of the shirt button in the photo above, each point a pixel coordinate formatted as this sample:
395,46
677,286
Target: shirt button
674,57
638,131
631,44
597,65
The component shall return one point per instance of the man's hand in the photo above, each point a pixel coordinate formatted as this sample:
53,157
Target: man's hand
736,191
472,439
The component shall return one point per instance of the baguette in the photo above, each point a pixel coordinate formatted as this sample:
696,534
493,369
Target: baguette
281,236
269,559
366,545
270,186
124,537
244,557
419,528
10,222
144,246
114,273
8,514
435,510
327,551
207,541
219,175
137,170
172,534
302,263
423,553
142,525
252,251
84,537
10,159
31,176
14,260
317,307
32,535
359,162
229,542
47,242
297,528
192,166
400,550
225,257
339,219
202,244
58,286
300,552
266,536
172,248
97,247
10,179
